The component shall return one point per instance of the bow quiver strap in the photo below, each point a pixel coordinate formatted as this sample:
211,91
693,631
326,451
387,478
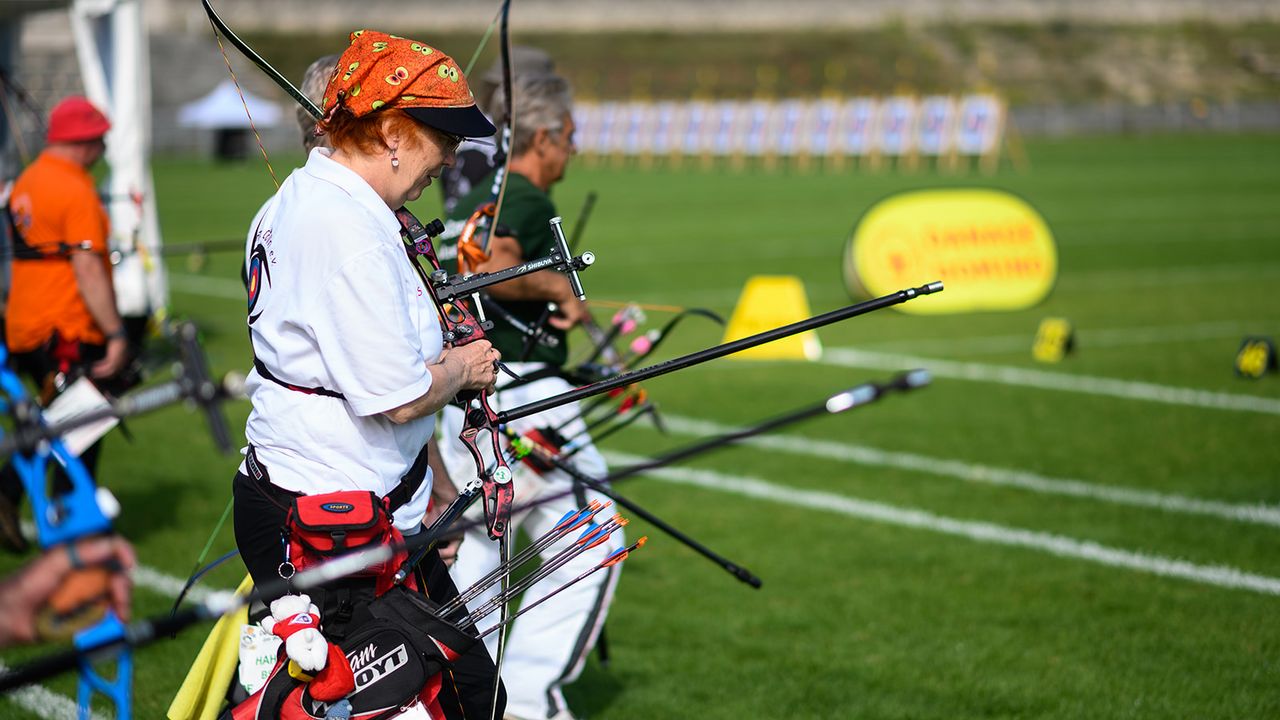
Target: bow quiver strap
409,482
20,250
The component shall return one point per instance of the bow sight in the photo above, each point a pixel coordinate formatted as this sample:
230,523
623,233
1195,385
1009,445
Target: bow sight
450,288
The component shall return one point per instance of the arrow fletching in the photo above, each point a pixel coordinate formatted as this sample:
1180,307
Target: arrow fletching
621,554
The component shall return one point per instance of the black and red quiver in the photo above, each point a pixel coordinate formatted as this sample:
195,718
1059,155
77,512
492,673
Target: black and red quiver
397,651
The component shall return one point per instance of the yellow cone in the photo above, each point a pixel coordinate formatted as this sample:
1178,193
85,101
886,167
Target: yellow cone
767,302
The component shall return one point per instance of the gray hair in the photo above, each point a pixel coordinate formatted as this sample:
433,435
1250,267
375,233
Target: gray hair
314,82
541,103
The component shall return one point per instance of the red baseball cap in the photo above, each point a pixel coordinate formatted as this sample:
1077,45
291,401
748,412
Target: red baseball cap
75,119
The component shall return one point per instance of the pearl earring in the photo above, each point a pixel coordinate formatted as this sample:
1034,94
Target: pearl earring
395,161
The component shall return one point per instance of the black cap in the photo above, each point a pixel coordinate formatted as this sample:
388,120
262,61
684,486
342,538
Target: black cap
467,122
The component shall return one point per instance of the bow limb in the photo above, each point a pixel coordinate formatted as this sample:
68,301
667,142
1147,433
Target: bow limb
78,609
499,190
61,521
221,28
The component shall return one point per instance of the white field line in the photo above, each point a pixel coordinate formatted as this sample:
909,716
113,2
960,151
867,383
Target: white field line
1098,338
986,474
52,706
1043,379
169,586
1059,545
43,702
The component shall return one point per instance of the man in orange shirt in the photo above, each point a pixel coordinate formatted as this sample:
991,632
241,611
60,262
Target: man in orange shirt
61,319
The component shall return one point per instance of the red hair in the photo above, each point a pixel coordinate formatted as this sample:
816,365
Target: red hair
364,134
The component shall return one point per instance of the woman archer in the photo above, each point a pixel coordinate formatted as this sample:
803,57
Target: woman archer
349,364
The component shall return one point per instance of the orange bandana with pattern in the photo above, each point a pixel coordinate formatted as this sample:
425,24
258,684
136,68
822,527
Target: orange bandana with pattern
387,71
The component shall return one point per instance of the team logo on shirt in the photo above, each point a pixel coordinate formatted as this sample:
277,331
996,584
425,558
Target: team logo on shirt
259,276
20,211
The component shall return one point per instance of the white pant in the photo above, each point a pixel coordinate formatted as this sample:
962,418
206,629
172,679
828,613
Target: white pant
547,647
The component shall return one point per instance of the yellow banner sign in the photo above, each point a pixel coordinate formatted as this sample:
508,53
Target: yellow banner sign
991,249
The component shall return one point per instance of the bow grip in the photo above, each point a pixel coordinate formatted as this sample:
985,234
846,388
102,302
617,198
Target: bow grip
496,484
80,602
498,498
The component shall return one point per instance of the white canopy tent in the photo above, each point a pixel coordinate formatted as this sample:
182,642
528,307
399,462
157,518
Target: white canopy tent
222,108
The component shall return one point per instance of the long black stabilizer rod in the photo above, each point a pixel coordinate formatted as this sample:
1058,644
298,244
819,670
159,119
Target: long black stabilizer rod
193,382
718,351
586,480
847,400
851,398
142,632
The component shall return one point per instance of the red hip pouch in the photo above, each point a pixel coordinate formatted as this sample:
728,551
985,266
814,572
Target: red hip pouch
322,527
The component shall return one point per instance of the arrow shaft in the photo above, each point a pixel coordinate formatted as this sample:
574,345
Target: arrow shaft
529,606
716,352
543,571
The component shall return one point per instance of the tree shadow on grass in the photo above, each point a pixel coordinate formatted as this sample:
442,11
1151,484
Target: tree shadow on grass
156,507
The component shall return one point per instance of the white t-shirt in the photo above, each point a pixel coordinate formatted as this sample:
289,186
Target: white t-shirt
334,303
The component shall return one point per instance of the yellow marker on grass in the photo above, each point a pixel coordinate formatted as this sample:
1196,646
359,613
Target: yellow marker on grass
767,302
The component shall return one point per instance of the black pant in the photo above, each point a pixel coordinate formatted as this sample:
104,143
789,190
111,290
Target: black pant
260,510
39,365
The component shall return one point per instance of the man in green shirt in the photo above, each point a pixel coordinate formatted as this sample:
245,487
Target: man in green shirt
547,647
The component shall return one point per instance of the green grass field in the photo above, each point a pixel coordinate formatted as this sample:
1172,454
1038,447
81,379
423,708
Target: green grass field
1085,540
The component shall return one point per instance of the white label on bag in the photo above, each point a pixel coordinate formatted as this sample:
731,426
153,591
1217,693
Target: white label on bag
259,651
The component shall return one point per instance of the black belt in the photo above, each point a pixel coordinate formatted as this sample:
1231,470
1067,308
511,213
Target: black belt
396,499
